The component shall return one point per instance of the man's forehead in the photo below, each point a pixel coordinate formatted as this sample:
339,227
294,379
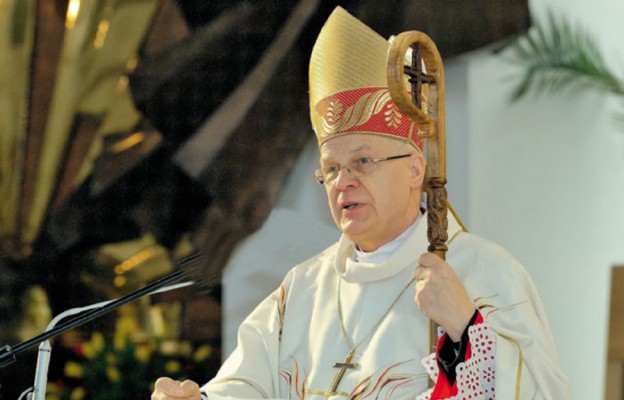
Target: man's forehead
351,144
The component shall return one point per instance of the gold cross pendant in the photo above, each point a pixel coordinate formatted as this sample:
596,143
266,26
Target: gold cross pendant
347,364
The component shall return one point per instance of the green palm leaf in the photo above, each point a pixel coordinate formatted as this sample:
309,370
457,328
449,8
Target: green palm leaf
555,57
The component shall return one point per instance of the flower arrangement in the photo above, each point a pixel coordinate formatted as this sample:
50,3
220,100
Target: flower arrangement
123,368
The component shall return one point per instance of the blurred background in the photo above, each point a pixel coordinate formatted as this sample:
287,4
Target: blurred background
135,133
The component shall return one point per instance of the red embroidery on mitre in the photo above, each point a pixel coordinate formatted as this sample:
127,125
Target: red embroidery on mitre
363,110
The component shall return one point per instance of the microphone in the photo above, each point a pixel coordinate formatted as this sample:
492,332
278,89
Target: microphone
7,353
45,349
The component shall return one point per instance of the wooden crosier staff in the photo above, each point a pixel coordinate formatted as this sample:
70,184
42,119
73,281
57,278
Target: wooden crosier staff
425,106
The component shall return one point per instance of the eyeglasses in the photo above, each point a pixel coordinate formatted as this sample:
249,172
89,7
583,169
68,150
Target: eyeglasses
358,167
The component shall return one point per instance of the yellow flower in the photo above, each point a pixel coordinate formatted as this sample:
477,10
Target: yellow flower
97,341
125,326
111,358
87,351
77,394
113,374
73,370
120,340
94,346
52,392
202,353
172,366
142,353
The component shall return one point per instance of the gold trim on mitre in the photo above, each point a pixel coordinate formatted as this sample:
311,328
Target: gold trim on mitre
349,85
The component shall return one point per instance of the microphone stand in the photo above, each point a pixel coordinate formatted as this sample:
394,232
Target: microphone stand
43,359
8,354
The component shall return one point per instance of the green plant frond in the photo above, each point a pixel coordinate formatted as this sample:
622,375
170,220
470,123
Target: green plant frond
555,57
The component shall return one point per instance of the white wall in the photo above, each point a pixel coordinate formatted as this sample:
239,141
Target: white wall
299,227
546,180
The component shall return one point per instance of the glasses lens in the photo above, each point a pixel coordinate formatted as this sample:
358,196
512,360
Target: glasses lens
318,177
361,166
330,173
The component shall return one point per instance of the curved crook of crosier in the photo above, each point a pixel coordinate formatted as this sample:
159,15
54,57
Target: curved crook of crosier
396,82
431,126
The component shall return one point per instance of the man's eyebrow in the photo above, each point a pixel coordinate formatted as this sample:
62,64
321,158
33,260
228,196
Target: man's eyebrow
356,150
362,147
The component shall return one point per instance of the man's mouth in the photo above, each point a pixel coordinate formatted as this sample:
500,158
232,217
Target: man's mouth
349,206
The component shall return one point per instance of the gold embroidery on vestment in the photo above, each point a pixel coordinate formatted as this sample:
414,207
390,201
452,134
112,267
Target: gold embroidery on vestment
327,394
519,371
357,114
393,115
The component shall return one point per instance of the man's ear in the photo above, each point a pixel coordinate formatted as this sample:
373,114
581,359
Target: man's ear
418,171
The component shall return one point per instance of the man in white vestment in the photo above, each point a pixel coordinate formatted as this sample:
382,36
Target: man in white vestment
352,322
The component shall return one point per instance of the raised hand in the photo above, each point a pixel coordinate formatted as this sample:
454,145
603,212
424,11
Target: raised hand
169,389
441,296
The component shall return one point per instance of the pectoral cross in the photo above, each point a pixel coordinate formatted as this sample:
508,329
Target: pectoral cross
347,364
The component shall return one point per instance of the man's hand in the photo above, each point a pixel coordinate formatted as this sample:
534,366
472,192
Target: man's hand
441,296
168,389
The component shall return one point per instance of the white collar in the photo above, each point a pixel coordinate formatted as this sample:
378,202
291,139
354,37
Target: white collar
389,259
383,252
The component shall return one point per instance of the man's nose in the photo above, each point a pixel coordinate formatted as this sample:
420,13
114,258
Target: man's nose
345,177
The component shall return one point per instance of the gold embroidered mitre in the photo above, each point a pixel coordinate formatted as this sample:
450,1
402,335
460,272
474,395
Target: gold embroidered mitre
349,86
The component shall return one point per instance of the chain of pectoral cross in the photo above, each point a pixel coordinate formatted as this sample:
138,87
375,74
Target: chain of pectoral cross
348,362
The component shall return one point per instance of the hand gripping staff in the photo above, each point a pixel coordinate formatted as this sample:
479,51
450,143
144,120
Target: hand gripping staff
425,106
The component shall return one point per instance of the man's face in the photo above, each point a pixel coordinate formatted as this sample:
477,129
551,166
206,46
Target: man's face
374,208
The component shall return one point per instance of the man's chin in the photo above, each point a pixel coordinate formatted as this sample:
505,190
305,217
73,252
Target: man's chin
354,230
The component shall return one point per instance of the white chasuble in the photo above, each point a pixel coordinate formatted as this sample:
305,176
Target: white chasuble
291,346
